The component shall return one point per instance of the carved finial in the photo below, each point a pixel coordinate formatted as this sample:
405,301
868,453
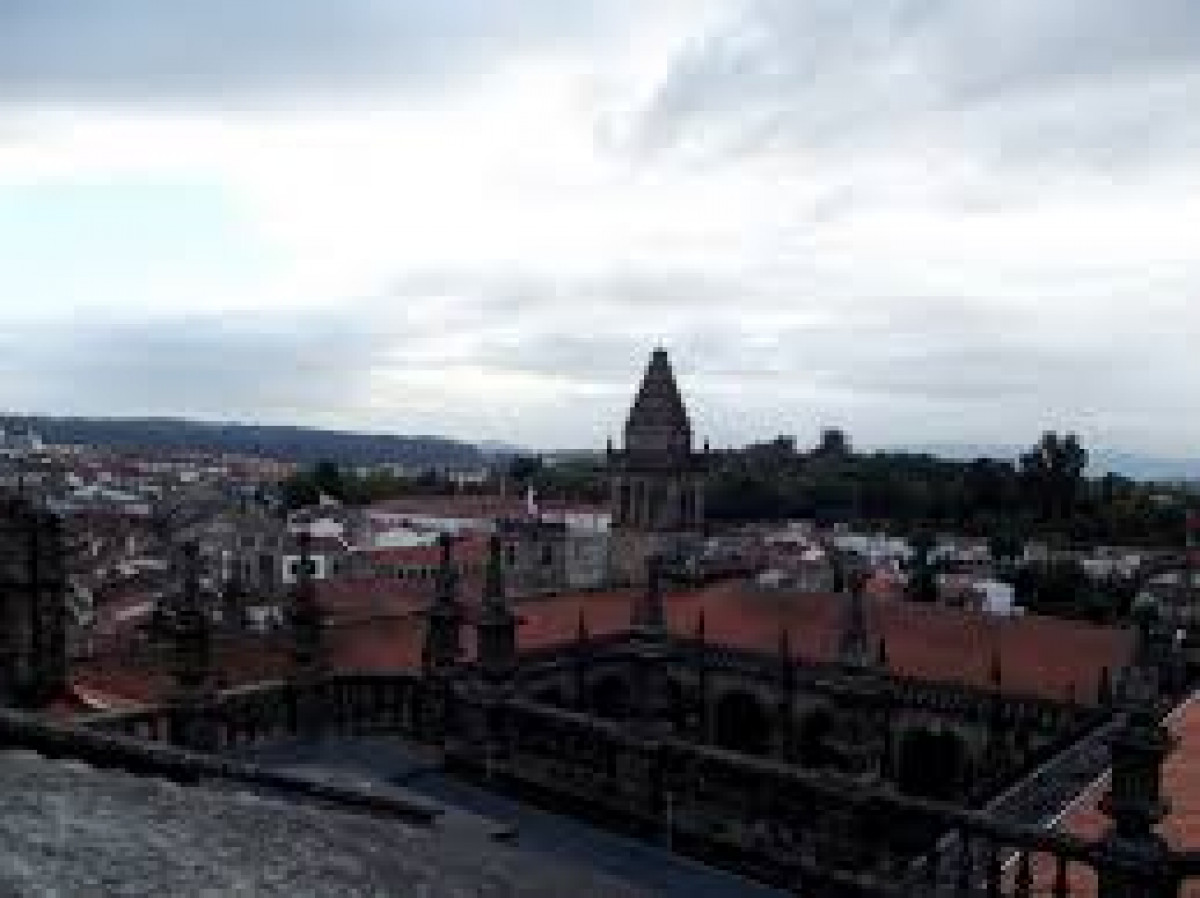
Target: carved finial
496,627
446,574
192,647
305,612
854,647
649,613
1104,691
493,585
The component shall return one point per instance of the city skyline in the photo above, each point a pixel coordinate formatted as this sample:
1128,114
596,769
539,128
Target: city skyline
920,222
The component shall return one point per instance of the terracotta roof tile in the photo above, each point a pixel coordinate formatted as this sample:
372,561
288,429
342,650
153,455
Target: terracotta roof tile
1039,656
1181,828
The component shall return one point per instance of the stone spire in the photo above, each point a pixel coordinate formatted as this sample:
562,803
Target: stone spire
651,654
191,726
33,655
496,629
853,645
1134,852
581,628
787,664
658,402
581,661
443,644
193,648
658,433
305,612
649,615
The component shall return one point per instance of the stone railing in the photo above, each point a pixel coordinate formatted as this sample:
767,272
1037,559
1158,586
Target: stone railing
115,750
819,832
343,704
815,832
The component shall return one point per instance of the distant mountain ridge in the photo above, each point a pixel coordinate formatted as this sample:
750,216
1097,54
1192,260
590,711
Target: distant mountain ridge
304,445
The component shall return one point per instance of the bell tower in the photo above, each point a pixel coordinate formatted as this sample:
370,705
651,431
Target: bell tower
656,480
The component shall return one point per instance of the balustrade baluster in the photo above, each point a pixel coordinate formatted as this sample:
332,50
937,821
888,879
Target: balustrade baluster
1061,888
932,868
962,880
994,870
1024,879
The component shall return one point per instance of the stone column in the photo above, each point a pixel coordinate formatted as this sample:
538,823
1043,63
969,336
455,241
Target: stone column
1134,858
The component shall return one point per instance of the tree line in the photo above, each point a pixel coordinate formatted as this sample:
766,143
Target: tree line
1045,493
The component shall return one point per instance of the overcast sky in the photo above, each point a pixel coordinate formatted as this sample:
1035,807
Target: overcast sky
919,220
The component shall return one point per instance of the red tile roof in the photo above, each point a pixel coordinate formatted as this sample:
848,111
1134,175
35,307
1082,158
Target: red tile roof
1039,656
1181,828
360,597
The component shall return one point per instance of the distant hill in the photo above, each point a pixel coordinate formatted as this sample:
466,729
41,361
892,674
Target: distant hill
500,450
298,444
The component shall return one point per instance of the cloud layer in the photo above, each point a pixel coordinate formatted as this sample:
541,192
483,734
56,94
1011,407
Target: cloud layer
227,52
922,220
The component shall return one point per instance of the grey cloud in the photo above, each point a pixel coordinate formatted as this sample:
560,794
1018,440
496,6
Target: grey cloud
834,74
240,52
228,366
892,370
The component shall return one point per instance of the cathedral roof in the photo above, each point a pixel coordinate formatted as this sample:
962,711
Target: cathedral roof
72,829
658,403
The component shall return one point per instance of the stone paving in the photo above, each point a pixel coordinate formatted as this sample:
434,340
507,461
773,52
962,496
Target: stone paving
389,765
67,829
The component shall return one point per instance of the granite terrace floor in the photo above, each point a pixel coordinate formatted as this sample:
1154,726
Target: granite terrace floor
386,763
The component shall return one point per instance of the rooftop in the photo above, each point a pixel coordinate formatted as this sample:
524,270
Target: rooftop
70,829
1181,787
1040,656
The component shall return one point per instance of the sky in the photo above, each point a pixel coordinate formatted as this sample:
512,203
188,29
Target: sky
922,221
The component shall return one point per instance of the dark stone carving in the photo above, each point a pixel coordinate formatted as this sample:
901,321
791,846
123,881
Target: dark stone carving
33,652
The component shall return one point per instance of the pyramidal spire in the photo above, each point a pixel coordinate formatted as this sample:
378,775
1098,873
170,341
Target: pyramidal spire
658,402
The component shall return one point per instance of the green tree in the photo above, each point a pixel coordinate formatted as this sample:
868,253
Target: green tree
1006,547
1053,472
834,443
522,468
328,479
